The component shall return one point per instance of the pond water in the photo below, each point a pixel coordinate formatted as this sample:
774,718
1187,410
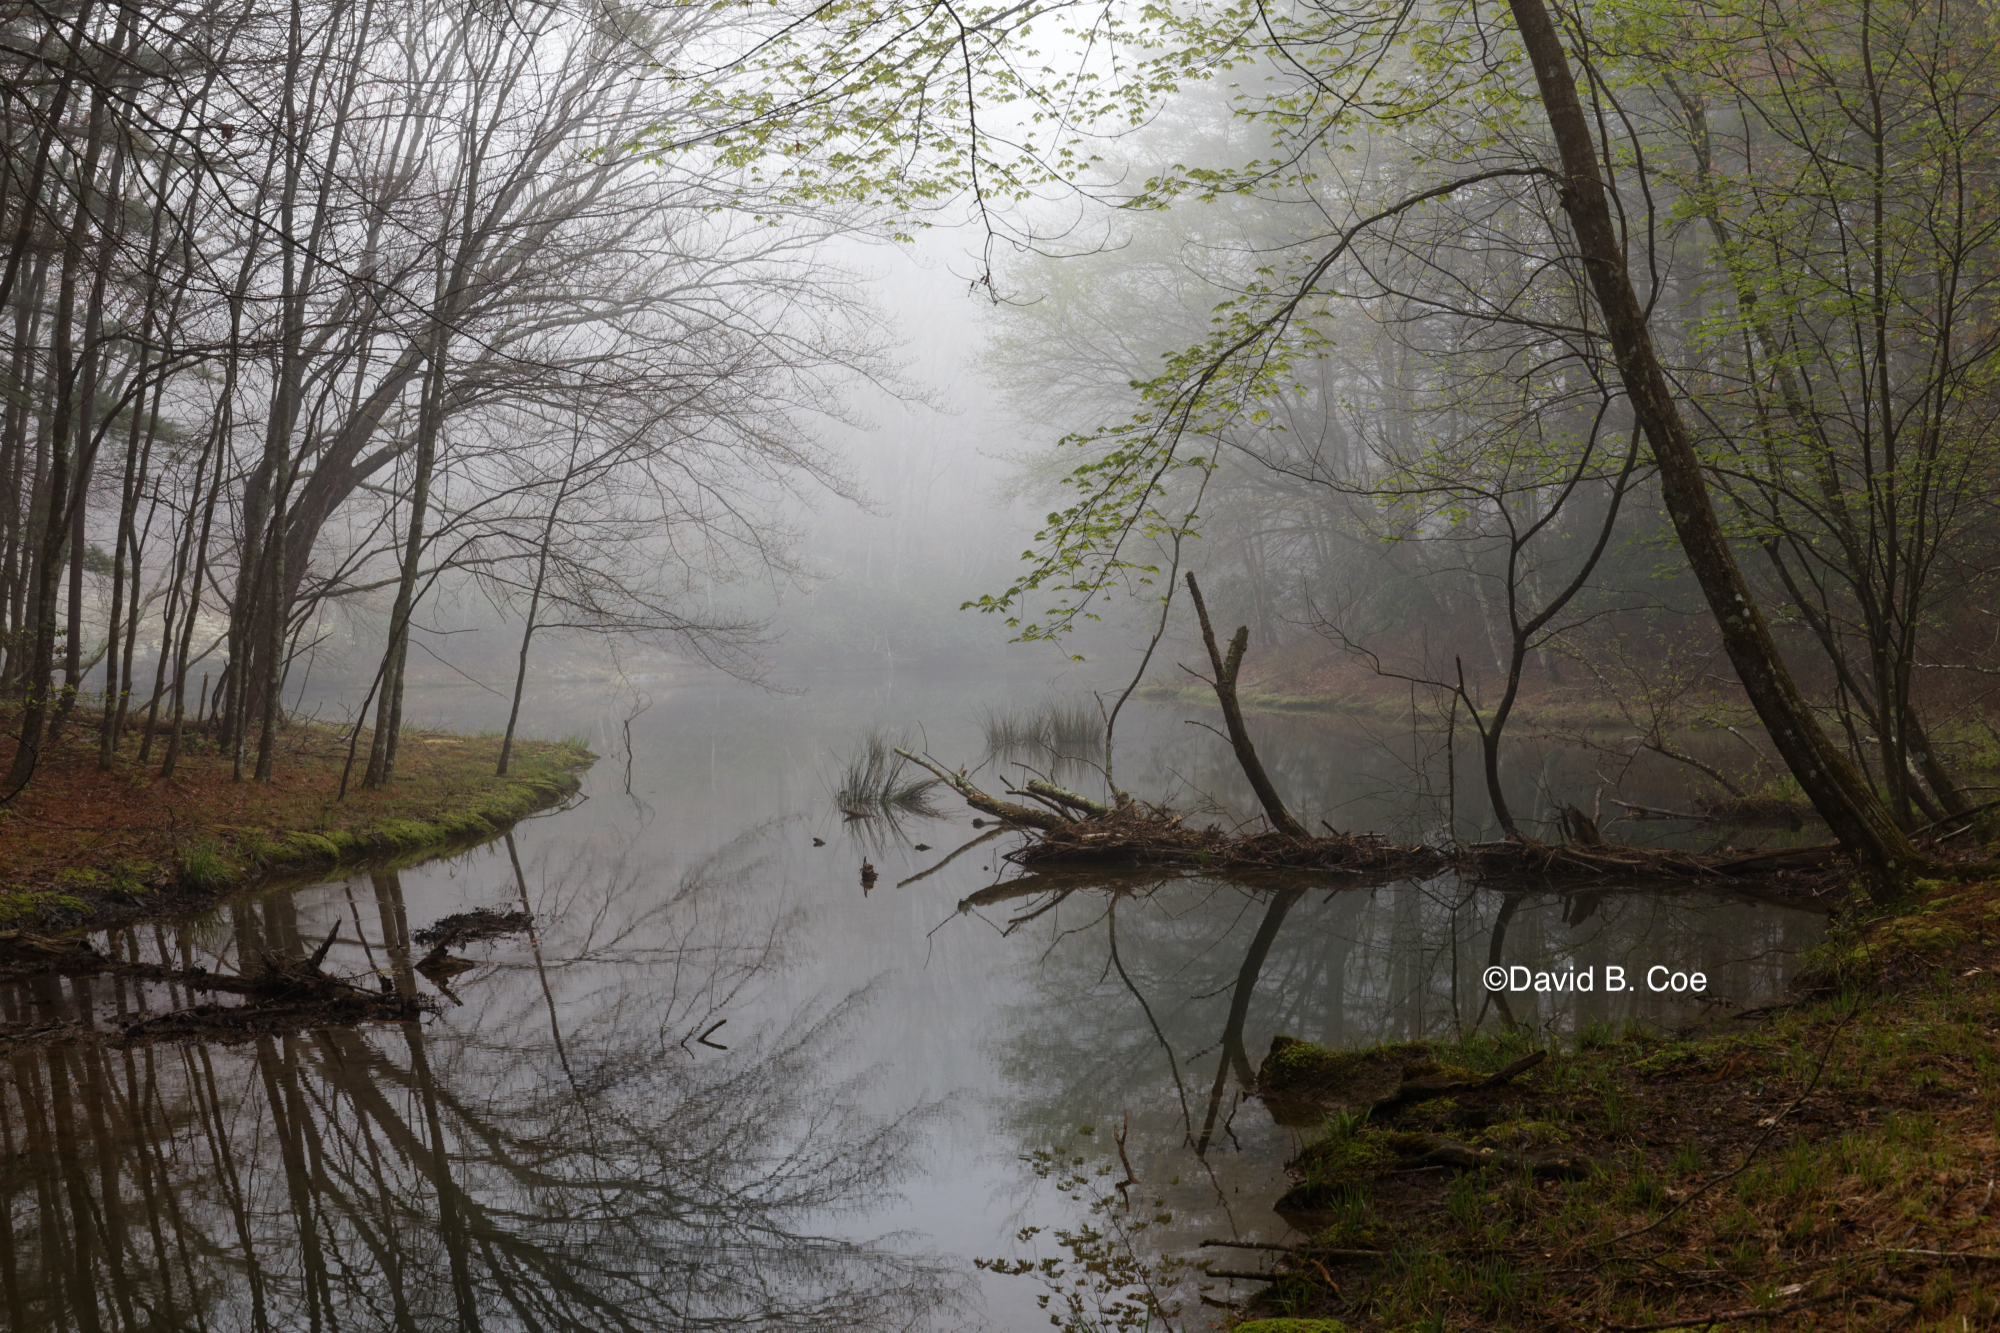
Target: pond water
722,1083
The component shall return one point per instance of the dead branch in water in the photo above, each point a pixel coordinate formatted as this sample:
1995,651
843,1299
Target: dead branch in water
1224,685
1140,836
979,800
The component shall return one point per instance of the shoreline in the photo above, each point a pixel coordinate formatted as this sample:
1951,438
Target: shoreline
94,850
1824,1164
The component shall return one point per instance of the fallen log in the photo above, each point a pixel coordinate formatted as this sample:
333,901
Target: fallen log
1635,811
1062,796
1138,837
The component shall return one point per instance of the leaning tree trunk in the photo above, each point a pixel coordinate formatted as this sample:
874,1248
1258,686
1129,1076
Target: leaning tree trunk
1850,808
1224,682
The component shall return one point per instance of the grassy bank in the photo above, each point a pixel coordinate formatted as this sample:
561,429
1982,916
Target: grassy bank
80,846
1829,1166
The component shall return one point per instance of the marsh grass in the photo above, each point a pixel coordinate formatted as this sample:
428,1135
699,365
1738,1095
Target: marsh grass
876,780
1069,729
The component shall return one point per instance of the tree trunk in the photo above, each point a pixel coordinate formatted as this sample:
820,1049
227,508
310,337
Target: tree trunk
1851,810
1232,718
389,710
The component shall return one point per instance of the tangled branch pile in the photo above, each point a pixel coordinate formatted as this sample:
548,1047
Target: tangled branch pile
1134,835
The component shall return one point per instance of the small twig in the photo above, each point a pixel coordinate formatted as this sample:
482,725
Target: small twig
1131,1176
1310,1251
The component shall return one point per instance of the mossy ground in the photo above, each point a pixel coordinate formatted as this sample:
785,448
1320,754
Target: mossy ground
82,846
1726,1178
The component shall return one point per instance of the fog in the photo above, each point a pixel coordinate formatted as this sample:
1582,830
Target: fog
518,354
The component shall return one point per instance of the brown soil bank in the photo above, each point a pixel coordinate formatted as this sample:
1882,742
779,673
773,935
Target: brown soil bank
1831,1166
83,847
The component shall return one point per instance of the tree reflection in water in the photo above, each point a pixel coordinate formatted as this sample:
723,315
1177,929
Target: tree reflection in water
1171,989
576,1163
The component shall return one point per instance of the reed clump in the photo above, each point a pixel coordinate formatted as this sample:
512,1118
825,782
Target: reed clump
876,780
1065,728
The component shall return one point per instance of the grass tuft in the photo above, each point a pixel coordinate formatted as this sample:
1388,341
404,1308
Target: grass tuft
877,780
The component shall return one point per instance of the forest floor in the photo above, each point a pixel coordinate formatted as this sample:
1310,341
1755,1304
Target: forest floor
1829,1164
84,846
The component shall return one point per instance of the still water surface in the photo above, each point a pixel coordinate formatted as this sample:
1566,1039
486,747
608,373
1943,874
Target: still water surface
723,1085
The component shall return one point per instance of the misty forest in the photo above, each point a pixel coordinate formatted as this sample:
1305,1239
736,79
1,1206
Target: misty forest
1301,666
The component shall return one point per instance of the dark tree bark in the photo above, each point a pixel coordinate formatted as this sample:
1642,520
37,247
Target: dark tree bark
1850,808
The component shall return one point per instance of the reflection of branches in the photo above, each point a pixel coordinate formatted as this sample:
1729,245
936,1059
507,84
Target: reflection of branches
1173,1065
1239,1010
441,1177
987,836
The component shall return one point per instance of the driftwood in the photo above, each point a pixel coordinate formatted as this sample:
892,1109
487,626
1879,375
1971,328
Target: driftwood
1068,799
1075,831
1139,837
979,800
481,923
1636,811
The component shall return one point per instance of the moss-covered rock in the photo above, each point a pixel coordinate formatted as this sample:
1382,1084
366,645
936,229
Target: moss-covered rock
1301,1081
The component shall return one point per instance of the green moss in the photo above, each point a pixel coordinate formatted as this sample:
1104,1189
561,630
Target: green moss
1859,953
1436,1069
79,878
309,847
465,823
1295,1068
1523,1134
1292,1326
1343,1156
20,904
1668,1059
401,833
134,876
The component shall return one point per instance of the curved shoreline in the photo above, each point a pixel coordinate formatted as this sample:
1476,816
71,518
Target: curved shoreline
104,850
